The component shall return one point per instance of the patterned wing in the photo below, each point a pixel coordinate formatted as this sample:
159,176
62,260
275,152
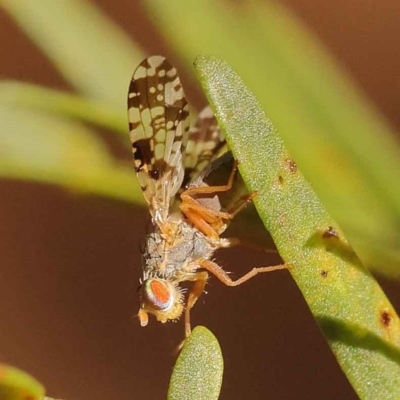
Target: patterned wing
206,142
208,160
159,127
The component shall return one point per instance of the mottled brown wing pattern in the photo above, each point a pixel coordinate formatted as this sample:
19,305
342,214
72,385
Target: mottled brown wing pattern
159,127
206,142
209,162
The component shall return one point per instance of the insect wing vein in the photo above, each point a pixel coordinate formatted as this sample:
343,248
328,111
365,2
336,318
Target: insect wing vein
159,127
206,143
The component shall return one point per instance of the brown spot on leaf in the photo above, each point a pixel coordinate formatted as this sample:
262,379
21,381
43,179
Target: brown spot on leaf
324,273
386,318
292,165
282,219
280,178
329,233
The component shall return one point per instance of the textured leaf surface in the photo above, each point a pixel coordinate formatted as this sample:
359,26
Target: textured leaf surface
198,371
357,319
346,149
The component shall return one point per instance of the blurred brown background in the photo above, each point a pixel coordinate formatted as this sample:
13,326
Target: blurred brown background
70,266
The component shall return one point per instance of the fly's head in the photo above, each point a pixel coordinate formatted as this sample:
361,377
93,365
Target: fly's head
160,297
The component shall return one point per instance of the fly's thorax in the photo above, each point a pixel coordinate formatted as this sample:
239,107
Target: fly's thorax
160,297
153,253
189,245
176,257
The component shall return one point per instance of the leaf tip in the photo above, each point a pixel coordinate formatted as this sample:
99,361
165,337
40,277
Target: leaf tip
199,368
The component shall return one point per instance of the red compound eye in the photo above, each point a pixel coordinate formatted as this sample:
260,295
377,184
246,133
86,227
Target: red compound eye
160,291
156,294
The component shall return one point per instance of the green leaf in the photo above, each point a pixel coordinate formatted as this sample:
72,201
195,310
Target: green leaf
44,148
344,147
14,93
354,314
88,49
18,385
198,371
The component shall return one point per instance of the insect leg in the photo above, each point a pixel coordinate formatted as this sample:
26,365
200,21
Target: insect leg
241,203
211,189
196,291
206,219
202,222
223,276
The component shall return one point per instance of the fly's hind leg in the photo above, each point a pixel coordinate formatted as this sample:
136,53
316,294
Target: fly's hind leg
206,219
201,278
223,276
212,189
241,203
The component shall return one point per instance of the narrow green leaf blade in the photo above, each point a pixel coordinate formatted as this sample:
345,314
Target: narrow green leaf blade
14,93
335,133
43,148
357,319
306,92
18,385
88,49
198,371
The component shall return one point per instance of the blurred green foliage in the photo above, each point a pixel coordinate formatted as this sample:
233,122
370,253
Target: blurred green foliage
341,144
17,385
